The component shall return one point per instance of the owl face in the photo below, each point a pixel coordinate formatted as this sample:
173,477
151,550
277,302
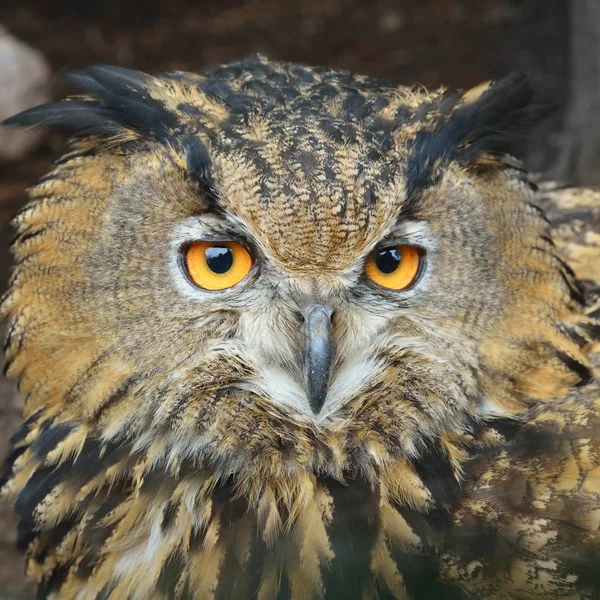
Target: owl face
273,268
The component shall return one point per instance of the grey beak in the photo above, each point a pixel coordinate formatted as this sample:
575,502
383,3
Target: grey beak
318,353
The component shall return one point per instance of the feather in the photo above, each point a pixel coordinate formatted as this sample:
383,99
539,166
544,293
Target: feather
116,99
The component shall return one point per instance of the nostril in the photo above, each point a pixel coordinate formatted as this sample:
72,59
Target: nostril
300,316
322,309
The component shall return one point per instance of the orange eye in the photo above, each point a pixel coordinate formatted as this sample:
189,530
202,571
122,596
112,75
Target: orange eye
217,265
395,267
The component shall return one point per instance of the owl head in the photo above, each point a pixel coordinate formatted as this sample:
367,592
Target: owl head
270,270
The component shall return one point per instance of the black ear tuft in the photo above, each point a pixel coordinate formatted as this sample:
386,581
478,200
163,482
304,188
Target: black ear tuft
116,99
80,117
497,119
484,123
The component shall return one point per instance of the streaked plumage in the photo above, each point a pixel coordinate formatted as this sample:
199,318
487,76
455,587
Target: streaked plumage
170,449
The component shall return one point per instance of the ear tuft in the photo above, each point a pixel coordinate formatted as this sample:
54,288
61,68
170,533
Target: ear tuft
496,117
116,101
473,129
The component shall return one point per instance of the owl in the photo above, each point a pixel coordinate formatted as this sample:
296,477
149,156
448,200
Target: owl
294,333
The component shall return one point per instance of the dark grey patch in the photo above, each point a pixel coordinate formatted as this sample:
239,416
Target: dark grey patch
574,336
592,329
40,484
257,88
170,574
585,375
169,514
48,440
96,533
302,74
329,168
199,170
53,583
86,566
49,540
190,109
215,89
308,162
328,91
352,535
435,471
368,196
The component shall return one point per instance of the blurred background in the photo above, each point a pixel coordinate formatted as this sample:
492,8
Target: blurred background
458,43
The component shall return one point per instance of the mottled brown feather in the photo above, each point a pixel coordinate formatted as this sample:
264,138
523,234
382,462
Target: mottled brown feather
158,459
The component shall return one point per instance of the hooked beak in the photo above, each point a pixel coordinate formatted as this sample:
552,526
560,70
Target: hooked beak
318,353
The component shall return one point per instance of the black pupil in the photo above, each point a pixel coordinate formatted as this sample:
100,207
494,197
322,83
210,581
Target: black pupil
219,259
388,260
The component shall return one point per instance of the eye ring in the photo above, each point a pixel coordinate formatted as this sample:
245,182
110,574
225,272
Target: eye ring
216,265
395,267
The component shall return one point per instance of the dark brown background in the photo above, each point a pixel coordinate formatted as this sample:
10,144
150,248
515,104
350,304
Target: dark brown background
454,42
